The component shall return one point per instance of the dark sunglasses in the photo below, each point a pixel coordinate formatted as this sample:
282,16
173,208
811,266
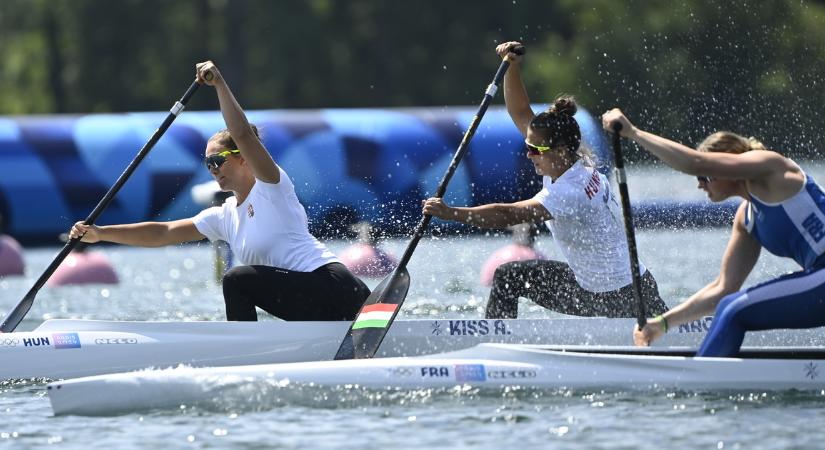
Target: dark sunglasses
702,179
216,160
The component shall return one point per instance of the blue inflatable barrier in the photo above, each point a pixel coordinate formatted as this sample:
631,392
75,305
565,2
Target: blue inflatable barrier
347,165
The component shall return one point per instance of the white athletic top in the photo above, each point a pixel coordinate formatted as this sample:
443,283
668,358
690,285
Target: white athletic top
269,228
587,227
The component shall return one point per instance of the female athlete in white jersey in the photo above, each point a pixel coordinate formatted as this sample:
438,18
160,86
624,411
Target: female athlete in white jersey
285,271
580,210
783,211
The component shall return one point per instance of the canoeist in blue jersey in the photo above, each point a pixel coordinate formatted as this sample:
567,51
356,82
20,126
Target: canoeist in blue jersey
783,211
578,205
286,271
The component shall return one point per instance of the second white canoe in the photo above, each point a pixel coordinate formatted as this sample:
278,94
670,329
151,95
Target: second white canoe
483,366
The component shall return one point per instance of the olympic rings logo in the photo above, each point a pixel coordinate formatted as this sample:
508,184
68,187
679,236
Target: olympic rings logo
400,371
9,342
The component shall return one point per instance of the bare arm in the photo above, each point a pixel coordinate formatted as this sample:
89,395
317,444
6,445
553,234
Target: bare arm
493,215
252,150
515,94
143,234
739,259
748,165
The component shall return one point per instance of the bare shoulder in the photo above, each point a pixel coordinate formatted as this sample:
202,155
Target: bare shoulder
793,177
779,179
774,163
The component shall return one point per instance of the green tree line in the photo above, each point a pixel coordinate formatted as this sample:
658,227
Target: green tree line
683,68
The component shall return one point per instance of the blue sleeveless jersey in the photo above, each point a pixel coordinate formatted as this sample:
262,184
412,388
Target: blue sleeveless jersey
794,228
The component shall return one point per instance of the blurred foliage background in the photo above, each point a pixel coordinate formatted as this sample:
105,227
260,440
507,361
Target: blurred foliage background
682,68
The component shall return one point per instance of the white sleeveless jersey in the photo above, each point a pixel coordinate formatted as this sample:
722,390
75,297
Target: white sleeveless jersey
588,228
269,228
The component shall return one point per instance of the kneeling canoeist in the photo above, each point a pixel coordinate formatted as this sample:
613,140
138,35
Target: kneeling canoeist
580,210
286,271
783,211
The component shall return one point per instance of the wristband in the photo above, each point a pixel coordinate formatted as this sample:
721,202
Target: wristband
663,321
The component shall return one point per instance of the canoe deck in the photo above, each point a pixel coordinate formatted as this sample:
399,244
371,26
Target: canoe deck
778,352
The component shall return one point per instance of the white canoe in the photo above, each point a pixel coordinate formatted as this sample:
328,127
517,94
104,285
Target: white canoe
73,348
483,366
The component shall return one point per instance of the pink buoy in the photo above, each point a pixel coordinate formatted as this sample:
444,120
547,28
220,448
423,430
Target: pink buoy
366,260
508,253
84,268
11,256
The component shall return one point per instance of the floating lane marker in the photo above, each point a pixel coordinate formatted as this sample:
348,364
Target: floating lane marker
377,315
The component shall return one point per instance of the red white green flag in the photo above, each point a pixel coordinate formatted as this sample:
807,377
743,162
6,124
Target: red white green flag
377,315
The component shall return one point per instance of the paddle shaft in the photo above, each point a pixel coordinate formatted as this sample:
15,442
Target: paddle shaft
364,342
621,177
459,154
19,312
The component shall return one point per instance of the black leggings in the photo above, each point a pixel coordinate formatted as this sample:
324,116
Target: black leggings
330,292
553,285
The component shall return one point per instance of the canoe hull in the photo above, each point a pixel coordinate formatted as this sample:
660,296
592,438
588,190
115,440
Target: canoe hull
483,366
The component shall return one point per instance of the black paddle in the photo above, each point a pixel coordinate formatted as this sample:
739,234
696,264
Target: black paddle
379,310
621,177
19,312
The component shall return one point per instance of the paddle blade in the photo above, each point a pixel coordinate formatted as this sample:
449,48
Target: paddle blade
18,313
374,319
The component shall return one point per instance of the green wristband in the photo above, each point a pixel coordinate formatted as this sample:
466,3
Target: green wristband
662,319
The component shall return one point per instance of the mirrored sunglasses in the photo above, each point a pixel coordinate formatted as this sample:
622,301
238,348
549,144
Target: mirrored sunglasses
702,179
216,160
533,149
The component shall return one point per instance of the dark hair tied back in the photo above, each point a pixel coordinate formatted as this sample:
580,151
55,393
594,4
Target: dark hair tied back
564,106
557,126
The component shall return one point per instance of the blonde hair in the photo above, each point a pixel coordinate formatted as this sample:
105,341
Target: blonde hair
728,142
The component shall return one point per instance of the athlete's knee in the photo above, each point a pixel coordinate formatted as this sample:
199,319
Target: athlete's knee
363,291
728,309
509,276
507,270
731,303
501,310
234,275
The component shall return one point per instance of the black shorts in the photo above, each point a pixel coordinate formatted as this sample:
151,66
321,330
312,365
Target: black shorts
330,292
553,285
